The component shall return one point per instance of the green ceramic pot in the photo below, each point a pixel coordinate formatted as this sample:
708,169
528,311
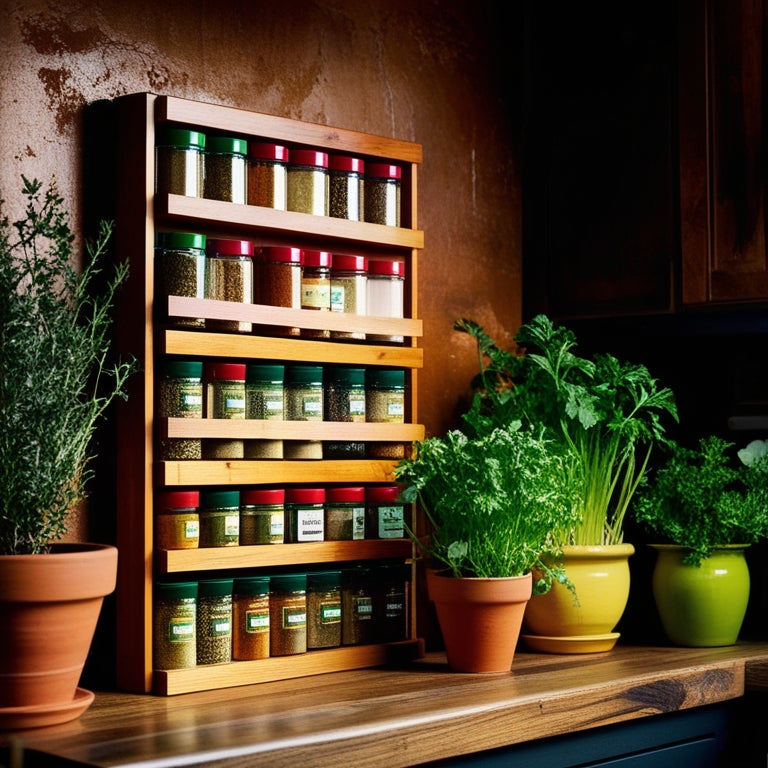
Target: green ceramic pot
701,606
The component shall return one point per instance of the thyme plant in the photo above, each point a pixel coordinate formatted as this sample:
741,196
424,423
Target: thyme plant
605,412
56,379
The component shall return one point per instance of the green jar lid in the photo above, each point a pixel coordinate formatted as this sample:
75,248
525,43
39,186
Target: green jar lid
214,588
183,369
175,240
304,374
219,499
288,582
386,378
227,145
359,576
323,580
176,590
268,374
251,585
181,138
342,375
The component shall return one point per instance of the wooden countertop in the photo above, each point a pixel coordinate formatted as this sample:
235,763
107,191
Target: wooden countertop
399,717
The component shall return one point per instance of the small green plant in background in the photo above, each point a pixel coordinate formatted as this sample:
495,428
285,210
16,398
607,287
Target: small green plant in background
606,413
702,498
492,501
56,379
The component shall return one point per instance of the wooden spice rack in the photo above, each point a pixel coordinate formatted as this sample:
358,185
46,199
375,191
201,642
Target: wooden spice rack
140,214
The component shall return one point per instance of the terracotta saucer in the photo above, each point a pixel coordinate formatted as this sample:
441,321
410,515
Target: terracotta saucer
40,715
573,644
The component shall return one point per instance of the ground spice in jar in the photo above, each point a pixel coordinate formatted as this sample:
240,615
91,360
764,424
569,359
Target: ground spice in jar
262,516
308,182
346,187
177,522
384,514
180,395
357,624
385,290
323,609
316,288
349,291
250,618
303,402
219,518
174,625
344,400
179,162
267,175
264,393
385,403
304,515
179,271
229,277
226,169
288,614
345,514
214,621
279,280
382,194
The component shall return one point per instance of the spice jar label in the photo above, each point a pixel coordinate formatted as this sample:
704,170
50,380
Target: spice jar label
364,608
391,523
337,298
309,524
181,630
312,407
315,294
232,525
294,617
220,628
192,529
330,613
257,622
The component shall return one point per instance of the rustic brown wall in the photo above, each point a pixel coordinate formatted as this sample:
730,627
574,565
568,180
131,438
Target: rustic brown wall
443,73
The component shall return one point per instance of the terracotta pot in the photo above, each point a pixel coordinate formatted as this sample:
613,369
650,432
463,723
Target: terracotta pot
600,575
701,606
480,619
49,606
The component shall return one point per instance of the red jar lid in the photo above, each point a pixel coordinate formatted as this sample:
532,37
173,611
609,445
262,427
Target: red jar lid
349,263
230,247
263,496
309,157
383,171
224,371
345,494
178,500
317,258
386,267
266,151
282,254
344,163
305,495
382,493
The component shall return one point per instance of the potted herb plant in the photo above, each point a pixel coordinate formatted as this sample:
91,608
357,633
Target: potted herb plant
492,503
706,507
608,415
56,382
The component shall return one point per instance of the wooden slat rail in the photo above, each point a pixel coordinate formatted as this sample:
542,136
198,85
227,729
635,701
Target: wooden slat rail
399,717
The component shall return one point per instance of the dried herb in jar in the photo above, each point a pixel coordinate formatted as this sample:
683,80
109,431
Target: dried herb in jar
323,609
174,625
214,621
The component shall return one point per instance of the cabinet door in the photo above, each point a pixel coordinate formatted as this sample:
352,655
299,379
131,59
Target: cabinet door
722,150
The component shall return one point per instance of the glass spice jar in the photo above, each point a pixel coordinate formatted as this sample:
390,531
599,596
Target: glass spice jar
392,606
250,618
385,403
179,163
288,614
382,194
357,624
174,634
264,393
304,515
316,288
180,395
344,400
349,290
224,399
226,169
219,518
385,291
345,514
214,621
384,513
346,187
267,175
179,271
308,182
177,521
262,516
323,609
229,277
279,281
303,402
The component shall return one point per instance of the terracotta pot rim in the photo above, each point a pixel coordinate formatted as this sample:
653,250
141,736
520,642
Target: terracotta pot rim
64,549
445,574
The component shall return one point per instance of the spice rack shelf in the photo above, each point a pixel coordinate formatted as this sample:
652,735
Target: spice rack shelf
141,213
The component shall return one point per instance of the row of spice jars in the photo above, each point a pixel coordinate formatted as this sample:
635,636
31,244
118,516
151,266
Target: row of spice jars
188,519
304,180
216,621
192,265
269,391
